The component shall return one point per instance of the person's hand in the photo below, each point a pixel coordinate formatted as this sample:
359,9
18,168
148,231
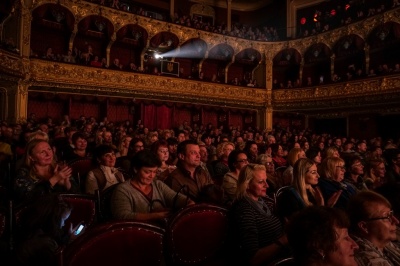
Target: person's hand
334,198
161,214
319,198
72,229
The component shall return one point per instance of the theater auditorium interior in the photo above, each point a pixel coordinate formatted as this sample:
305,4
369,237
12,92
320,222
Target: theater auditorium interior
298,71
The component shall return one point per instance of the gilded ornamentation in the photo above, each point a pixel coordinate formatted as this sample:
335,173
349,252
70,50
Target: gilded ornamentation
74,78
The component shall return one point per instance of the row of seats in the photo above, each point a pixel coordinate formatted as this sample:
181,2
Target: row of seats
195,235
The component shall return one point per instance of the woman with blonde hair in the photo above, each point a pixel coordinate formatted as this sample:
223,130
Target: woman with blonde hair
304,191
41,174
293,156
332,181
332,151
374,176
273,182
258,233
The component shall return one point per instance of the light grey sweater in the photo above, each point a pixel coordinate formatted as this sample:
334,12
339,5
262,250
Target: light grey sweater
127,201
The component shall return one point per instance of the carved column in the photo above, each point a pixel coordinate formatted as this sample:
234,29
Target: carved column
366,51
332,65
18,102
229,15
113,38
301,70
25,36
269,78
172,10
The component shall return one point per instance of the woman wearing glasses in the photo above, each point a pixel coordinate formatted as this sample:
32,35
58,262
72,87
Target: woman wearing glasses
236,161
374,227
331,181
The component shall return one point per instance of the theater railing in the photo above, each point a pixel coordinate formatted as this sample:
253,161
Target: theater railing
382,92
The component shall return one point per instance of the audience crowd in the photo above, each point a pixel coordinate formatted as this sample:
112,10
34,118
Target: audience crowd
265,180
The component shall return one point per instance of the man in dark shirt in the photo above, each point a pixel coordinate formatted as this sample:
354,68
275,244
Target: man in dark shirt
189,177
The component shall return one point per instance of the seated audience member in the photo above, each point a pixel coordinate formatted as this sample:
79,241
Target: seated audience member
318,236
251,148
219,168
374,225
257,233
160,149
135,145
189,174
105,174
332,181
375,173
142,198
80,149
277,155
41,175
304,191
354,173
42,231
236,161
272,179
123,146
293,156
332,151
393,171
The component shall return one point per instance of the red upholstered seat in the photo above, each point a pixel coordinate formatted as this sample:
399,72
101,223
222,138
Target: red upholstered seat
83,208
116,243
197,236
80,168
104,201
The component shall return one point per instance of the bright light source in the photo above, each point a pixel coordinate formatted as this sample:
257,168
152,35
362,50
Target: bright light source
157,56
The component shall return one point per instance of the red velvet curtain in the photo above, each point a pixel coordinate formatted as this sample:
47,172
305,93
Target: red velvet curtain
150,116
210,117
181,115
236,120
164,117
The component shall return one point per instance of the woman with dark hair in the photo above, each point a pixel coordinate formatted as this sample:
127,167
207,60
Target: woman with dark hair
80,147
160,149
318,236
124,162
236,161
142,198
105,174
42,231
277,155
374,226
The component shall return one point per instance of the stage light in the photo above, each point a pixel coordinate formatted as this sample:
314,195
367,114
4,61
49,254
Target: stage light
333,12
303,21
347,7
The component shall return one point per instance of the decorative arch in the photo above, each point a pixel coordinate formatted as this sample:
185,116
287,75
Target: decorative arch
53,23
128,46
317,52
94,33
164,41
348,45
286,67
189,56
384,41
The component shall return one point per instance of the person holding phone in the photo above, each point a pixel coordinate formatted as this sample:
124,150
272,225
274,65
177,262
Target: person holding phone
43,231
142,198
